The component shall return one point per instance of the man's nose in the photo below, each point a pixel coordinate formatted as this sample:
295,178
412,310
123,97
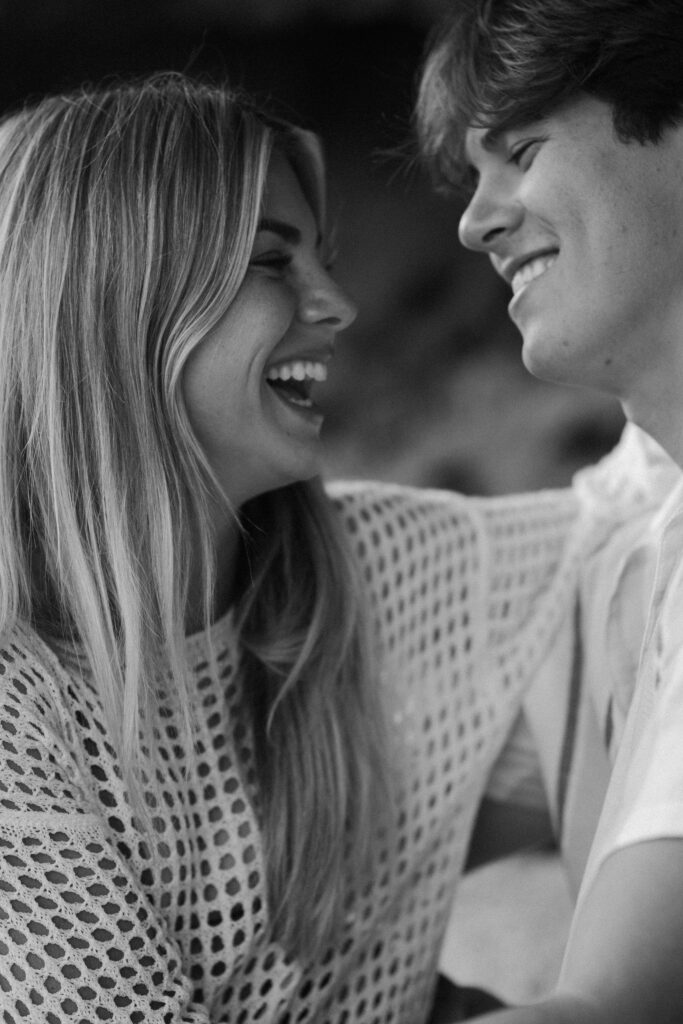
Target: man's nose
488,218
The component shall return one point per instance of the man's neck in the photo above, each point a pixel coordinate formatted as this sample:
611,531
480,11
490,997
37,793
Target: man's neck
662,420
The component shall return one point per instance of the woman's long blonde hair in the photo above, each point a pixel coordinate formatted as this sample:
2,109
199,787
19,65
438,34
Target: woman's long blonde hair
127,217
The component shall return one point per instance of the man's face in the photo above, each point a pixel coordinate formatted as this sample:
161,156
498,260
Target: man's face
588,231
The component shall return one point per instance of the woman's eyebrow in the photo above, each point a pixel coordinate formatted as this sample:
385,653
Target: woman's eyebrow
286,231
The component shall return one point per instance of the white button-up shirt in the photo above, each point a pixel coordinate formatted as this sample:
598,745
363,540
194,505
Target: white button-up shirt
604,716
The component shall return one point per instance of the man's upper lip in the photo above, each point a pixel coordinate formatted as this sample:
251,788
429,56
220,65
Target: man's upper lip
507,268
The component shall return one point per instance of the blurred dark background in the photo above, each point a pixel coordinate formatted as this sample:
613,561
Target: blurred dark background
428,387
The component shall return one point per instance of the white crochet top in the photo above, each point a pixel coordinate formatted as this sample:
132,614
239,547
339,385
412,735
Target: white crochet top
467,595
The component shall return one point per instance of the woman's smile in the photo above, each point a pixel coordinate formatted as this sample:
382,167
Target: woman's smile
249,386
293,382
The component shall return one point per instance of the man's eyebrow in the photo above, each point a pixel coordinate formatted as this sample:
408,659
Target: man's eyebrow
488,140
491,139
286,231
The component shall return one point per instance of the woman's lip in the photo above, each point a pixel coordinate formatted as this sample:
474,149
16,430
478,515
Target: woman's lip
315,354
312,414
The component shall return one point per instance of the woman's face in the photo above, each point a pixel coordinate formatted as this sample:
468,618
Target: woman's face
249,385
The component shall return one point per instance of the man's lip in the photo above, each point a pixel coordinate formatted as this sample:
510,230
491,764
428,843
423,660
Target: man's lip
507,268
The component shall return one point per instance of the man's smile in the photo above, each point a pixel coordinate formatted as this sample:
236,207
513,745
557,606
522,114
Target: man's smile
531,270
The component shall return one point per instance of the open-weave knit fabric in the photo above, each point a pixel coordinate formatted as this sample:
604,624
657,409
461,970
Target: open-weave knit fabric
467,595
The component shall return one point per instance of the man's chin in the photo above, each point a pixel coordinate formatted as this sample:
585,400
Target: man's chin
547,361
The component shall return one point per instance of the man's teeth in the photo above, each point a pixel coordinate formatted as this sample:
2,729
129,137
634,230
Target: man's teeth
534,268
298,370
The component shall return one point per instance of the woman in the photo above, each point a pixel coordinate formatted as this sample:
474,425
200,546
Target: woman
243,727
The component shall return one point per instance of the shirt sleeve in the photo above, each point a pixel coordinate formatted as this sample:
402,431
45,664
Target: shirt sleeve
652,796
645,796
534,543
607,508
646,790
79,939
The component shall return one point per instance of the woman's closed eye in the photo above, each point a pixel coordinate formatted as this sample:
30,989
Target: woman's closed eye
274,261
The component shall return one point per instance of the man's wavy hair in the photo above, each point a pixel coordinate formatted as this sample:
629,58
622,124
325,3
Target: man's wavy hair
501,64
127,218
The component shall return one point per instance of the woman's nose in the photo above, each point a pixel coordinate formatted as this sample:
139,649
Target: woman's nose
324,301
488,218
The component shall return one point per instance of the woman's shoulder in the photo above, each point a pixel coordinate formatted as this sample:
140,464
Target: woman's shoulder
37,710
39,700
29,676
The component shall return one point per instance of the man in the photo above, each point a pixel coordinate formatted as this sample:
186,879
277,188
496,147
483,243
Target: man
565,117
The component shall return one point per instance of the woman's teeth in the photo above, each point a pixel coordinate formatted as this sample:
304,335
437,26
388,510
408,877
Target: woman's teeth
531,270
299,371
293,380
